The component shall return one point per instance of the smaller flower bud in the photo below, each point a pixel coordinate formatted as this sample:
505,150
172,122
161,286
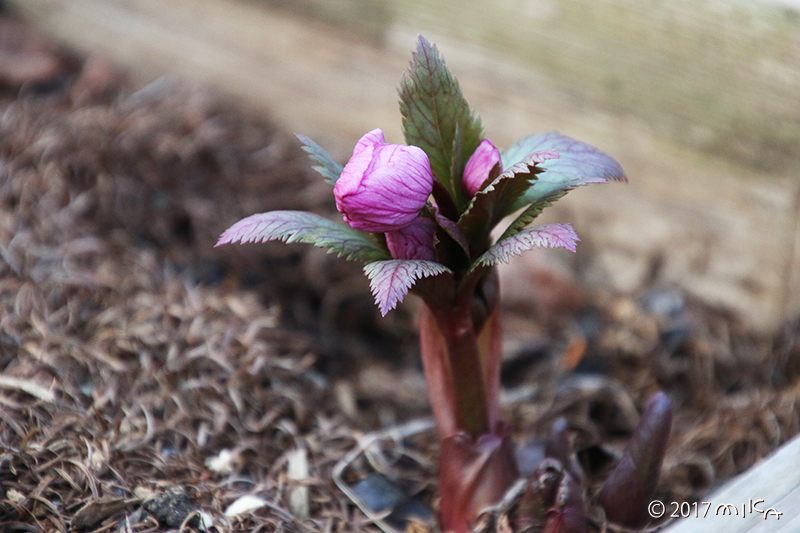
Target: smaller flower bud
477,169
415,241
384,186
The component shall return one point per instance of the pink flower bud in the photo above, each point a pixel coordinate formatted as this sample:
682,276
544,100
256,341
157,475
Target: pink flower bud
477,169
415,241
384,186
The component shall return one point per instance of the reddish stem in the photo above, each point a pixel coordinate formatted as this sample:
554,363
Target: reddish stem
438,374
466,366
460,337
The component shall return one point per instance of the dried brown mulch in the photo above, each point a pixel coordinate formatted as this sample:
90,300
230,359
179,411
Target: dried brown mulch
131,351
149,380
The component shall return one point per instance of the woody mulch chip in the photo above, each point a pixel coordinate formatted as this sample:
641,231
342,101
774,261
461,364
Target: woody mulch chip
151,382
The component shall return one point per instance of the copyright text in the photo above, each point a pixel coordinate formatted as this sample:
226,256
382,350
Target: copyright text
659,509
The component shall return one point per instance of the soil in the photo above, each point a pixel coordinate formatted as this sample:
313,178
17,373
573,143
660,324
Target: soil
149,380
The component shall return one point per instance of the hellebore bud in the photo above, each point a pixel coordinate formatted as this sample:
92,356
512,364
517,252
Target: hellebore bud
415,241
384,186
477,169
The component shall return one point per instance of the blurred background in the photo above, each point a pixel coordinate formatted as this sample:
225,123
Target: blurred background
698,99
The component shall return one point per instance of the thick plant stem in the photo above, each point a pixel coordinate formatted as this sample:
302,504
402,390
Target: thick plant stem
438,373
457,353
461,351
490,346
461,343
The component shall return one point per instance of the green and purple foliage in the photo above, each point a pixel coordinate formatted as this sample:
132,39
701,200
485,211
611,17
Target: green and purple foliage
420,216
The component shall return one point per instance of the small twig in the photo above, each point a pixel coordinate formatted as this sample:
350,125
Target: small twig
31,387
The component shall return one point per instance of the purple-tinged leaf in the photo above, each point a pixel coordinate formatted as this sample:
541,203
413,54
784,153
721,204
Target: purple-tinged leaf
496,200
631,485
299,226
576,159
436,117
544,236
452,229
530,213
326,164
553,502
474,473
579,164
542,155
390,280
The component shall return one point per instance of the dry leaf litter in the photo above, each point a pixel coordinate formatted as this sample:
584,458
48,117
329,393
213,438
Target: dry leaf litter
150,382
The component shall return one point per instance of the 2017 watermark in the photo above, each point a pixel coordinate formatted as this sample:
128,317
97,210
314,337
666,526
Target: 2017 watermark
659,509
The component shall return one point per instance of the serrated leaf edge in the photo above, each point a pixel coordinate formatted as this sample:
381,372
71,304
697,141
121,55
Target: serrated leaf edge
427,53
526,238
532,212
388,300
369,250
326,166
509,173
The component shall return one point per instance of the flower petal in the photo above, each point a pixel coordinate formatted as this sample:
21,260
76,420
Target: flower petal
350,178
384,186
477,169
415,241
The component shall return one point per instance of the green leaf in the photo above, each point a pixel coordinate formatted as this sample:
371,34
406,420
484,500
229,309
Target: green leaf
544,236
326,164
578,164
453,231
531,212
496,200
456,160
300,226
435,115
390,280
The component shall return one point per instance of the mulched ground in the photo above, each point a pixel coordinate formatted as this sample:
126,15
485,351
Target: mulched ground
149,380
